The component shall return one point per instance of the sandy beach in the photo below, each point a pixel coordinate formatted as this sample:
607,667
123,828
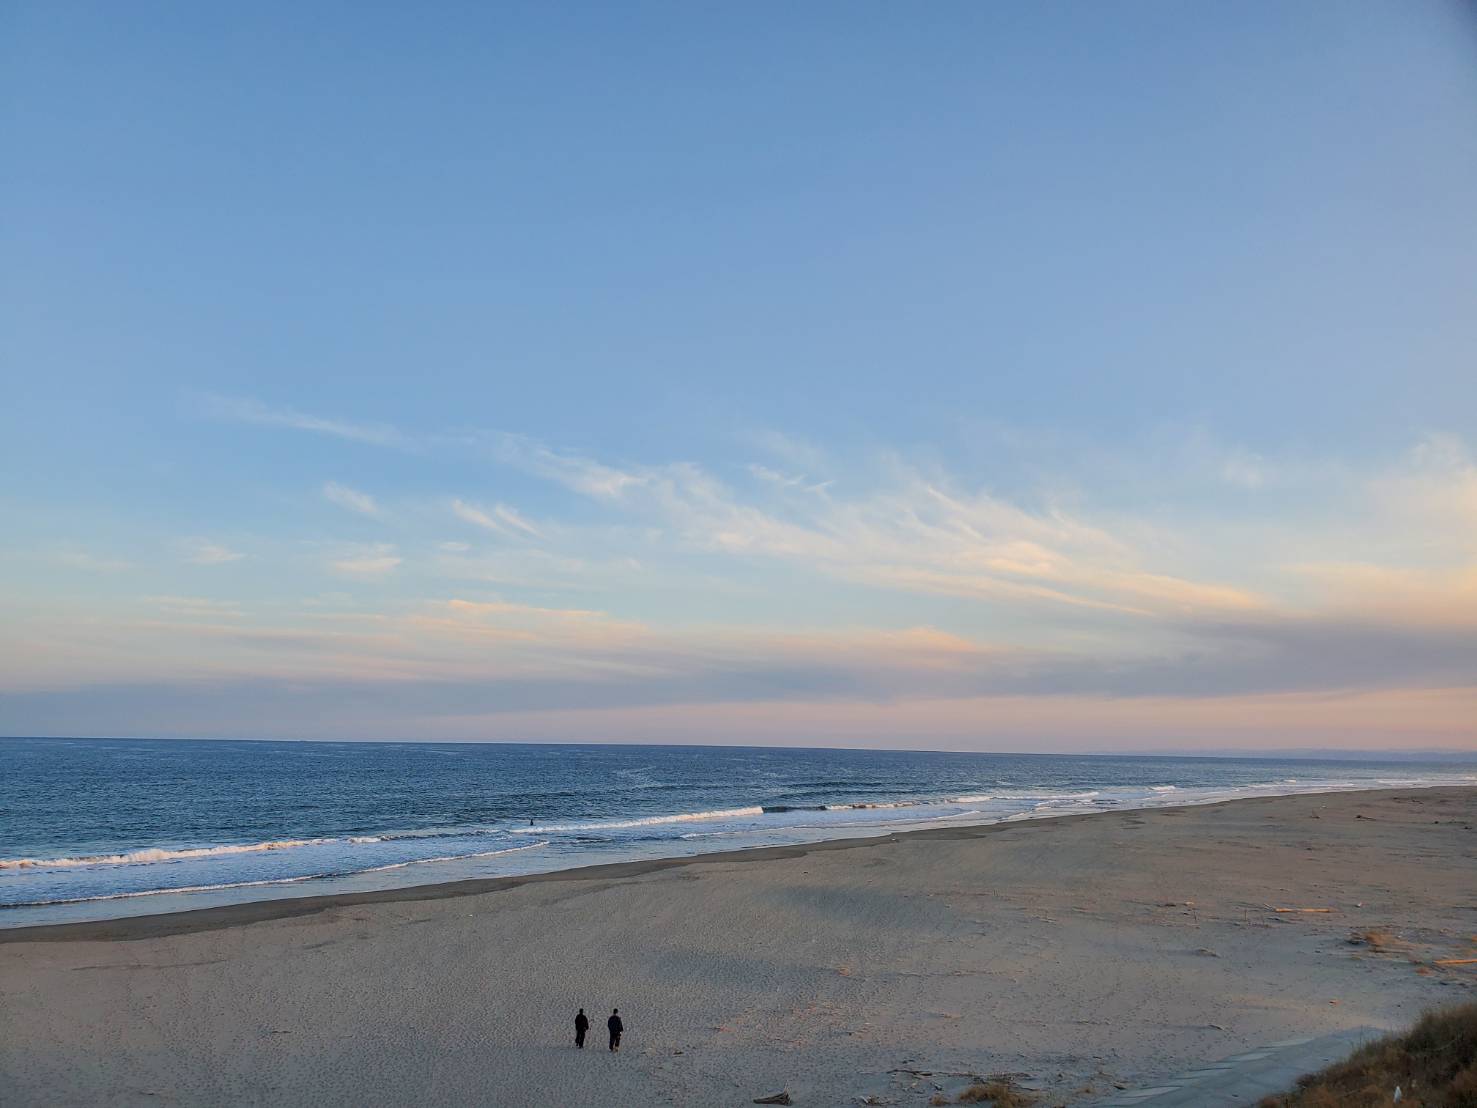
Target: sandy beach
1085,952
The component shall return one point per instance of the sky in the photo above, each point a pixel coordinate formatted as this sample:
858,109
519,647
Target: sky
1015,376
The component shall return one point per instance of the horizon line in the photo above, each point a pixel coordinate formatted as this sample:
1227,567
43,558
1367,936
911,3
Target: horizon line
1336,754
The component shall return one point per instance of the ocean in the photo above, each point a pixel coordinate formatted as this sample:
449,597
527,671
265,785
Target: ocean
102,828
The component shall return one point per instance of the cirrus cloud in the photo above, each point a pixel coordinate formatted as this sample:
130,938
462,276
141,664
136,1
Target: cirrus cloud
352,499
370,562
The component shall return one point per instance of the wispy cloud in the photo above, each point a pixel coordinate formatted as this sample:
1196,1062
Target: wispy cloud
917,533
500,518
351,499
237,409
774,477
494,655
513,519
787,480
1055,596
1434,492
369,562
203,552
573,471
475,516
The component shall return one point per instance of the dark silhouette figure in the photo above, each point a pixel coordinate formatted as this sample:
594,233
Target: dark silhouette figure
581,1025
616,1027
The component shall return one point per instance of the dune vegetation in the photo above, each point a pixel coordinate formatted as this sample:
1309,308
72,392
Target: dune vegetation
1433,1065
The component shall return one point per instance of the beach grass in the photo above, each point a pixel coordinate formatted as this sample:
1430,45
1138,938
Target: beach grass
1434,1065
996,1094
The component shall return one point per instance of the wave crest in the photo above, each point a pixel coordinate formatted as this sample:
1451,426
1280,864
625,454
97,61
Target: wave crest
647,821
161,854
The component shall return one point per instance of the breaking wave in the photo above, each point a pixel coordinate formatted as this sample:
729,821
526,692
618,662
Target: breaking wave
1019,794
267,882
161,854
647,821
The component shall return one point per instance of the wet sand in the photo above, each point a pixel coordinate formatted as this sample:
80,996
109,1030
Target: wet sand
1082,951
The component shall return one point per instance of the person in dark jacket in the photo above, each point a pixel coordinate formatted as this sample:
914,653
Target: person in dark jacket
581,1025
616,1027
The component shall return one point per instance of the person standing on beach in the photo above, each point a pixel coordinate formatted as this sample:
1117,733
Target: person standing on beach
581,1025
616,1027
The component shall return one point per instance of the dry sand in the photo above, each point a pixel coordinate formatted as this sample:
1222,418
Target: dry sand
1083,951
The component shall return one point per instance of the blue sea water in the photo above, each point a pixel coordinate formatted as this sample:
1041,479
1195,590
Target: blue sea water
100,828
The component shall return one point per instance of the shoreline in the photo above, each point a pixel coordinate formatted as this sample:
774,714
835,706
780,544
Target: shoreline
1085,952
194,920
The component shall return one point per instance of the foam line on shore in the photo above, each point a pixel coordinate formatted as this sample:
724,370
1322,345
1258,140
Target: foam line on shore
266,883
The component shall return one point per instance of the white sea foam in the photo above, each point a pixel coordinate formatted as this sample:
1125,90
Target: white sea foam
648,821
1023,794
453,857
271,881
165,892
153,854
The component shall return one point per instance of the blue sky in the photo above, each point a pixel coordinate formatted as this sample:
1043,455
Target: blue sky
1058,376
